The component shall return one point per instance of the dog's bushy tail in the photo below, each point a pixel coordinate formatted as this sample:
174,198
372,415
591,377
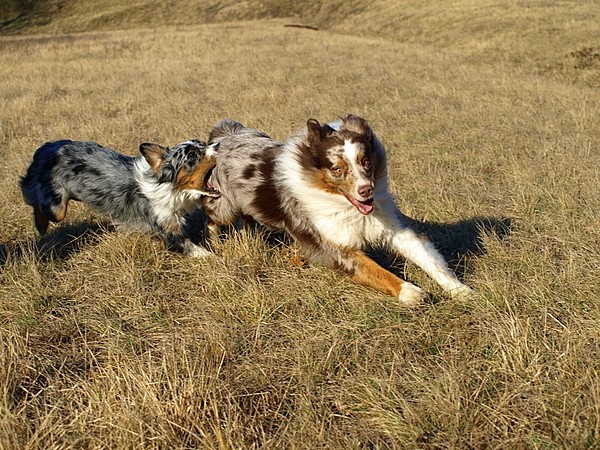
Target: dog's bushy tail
225,127
43,159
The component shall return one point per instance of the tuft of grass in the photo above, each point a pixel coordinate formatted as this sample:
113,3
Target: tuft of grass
488,112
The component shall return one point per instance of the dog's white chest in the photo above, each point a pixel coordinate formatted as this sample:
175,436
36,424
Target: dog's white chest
347,228
337,221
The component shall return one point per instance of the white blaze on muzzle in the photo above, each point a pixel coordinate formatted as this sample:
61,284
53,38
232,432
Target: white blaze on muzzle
363,204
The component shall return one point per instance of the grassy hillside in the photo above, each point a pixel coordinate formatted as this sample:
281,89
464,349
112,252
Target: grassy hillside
489,114
558,38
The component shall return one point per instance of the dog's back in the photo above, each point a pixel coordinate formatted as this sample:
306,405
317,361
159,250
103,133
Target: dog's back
83,171
245,173
80,170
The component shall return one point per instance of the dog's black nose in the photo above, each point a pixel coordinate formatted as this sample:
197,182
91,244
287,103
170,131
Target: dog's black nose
365,191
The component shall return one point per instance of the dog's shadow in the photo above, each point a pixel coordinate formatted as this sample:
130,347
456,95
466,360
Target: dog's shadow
65,240
456,241
60,243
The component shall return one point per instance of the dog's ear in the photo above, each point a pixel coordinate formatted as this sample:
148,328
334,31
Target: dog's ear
357,125
154,154
314,132
317,132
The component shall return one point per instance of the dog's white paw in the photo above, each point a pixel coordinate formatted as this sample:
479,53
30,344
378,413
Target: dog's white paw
195,251
462,292
199,252
411,295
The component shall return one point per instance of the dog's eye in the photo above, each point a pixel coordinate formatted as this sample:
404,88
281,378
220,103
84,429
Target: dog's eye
337,171
366,162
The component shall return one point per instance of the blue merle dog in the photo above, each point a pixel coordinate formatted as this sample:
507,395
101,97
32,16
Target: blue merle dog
150,192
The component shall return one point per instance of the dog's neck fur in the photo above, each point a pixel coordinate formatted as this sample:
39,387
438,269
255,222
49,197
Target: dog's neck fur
168,205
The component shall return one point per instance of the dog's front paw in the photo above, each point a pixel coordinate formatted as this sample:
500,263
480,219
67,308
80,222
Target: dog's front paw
463,292
188,248
198,252
411,295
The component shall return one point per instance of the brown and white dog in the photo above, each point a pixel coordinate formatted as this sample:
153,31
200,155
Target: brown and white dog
327,187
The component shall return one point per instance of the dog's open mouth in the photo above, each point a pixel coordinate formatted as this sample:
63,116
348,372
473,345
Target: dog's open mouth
364,207
208,187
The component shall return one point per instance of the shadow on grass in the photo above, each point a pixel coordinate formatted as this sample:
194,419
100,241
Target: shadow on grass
60,243
456,241
464,238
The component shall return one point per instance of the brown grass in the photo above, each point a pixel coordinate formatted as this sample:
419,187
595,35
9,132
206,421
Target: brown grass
108,341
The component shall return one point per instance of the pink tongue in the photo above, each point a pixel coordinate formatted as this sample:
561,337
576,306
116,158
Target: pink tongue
363,208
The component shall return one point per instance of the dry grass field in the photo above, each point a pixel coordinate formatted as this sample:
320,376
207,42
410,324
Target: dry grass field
490,113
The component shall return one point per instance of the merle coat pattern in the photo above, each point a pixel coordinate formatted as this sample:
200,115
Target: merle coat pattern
327,187
150,192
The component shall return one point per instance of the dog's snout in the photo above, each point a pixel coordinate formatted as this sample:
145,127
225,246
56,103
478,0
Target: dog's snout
365,191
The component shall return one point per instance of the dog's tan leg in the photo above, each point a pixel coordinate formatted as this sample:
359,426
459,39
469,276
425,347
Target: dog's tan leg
41,220
297,261
369,273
